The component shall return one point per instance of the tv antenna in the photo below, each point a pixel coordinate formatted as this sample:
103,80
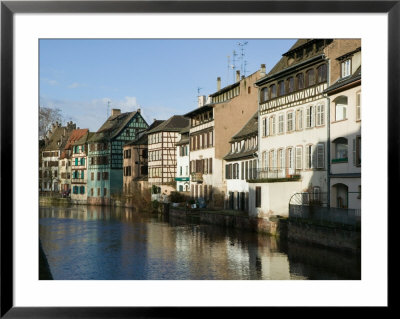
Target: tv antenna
233,66
198,91
242,56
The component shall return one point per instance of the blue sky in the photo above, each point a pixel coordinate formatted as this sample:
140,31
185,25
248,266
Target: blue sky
159,76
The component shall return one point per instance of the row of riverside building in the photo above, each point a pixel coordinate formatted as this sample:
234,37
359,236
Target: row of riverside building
290,136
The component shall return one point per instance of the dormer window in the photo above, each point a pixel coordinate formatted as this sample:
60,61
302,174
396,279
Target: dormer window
346,68
310,78
264,94
290,82
281,88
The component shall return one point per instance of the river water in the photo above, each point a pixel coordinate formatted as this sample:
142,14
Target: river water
93,242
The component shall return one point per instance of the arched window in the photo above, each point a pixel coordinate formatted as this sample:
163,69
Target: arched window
340,150
310,78
300,81
340,193
340,108
273,91
290,84
264,95
281,85
321,73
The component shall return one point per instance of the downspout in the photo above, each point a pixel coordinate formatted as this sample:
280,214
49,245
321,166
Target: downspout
328,172
329,150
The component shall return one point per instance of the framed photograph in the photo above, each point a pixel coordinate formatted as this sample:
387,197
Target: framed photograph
175,32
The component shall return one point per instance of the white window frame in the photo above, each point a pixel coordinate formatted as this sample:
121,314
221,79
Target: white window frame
320,115
290,122
281,123
299,154
346,68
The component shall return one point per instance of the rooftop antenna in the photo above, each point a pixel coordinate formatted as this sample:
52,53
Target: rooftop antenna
229,66
198,91
242,55
234,64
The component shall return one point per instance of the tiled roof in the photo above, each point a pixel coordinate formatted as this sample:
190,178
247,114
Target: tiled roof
173,124
345,81
58,139
240,155
74,136
250,128
84,138
112,127
282,64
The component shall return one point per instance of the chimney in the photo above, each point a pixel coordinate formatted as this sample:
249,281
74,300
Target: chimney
262,70
218,83
139,110
242,77
201,100
115,112
237,76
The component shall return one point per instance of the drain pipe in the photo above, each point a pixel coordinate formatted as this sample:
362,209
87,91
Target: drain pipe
328,171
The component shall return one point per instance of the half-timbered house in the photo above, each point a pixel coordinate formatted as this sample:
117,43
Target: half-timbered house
135,172
105,157
182,163
162,152
293,134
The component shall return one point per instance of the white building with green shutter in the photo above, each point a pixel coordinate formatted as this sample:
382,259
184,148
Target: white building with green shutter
79,170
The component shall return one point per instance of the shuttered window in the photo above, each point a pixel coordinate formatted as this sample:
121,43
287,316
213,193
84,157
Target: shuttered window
290,121
281,123
299,119
310,116
358,106
210,170
320,114
264,124
272,125
299,154
320,155
308,157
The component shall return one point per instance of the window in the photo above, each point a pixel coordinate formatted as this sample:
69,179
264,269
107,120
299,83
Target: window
248,90
310,78
299,119
340,145
290,158
357,151
92,176
98,176
281,85
98,192
340,108
322,73
300,81
105,192
264,95
273,91
281,123
310,116
346,68
320,115
281,158
358,106
299,154
91,192
264,160
290,122
290,84
105,174
272,125
258,196
82,190
265,126
308,163
272,159
321,155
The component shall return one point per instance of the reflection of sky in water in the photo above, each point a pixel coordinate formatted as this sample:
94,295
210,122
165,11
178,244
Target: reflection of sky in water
97,243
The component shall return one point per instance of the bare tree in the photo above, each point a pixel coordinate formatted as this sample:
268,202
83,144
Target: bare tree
47,116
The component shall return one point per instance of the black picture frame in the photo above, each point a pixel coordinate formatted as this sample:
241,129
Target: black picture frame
9,8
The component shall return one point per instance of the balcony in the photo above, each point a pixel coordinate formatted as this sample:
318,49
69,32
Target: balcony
273,174
78,181
197,177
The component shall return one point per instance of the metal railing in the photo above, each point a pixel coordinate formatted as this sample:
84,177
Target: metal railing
274,173
314,206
